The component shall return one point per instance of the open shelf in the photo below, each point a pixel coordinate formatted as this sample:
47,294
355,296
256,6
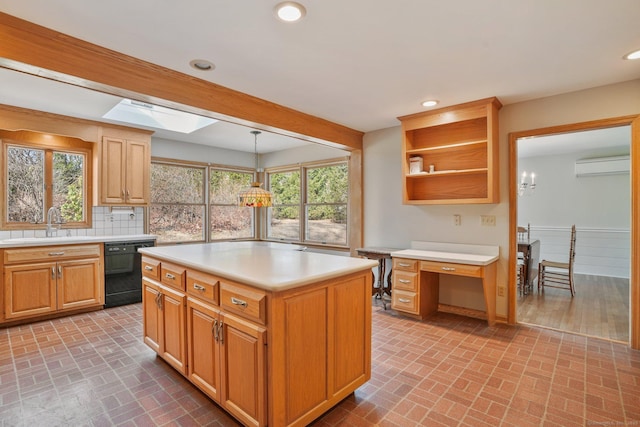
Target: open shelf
461,143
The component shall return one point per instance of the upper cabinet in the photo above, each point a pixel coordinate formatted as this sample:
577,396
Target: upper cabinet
450,155
124,172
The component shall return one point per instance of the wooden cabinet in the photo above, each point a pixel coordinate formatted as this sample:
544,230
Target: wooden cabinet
52,279
461,143
268,358
124,174
164,328
411,293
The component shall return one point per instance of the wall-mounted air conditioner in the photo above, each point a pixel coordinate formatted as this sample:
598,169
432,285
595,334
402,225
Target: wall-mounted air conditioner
603,166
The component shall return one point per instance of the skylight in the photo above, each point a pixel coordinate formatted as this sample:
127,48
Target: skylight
145,114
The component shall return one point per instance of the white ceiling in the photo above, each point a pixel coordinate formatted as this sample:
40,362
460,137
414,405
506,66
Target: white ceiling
360,63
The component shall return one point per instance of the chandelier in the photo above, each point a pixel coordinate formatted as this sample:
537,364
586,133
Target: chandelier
526,187
255,196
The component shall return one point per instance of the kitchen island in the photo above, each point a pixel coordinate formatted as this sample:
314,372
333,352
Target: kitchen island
274,334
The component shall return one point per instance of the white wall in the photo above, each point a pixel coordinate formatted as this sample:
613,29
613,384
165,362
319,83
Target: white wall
387,222
599,206
200,153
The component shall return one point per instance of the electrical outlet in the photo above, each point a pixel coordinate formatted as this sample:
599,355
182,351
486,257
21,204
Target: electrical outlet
457,220
489,220
500,291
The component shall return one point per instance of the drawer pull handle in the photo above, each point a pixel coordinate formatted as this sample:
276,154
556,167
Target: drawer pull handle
404,281
170,276
56,253
198,287
148,268
214,330
237,301
404,300
402,264
449,268
53,273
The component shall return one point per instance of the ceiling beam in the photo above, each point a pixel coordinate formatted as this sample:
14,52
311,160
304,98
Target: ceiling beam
37,50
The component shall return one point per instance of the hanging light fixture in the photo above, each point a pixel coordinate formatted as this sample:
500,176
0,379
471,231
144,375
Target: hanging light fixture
255,196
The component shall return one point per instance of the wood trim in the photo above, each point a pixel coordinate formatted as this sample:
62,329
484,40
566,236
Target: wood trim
37,50
634,283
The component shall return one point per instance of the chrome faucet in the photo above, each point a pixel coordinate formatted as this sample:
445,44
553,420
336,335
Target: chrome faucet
51,227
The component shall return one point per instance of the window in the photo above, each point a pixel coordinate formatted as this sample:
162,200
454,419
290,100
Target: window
44,171
284,223
182,210
177,211
320,199
228,220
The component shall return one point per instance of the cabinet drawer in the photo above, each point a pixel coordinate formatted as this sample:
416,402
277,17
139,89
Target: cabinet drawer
452,268
249,302
172,275
151,268
202,285
405,281
405,264
51,253
404,301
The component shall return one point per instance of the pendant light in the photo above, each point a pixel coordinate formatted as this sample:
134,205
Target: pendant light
255,196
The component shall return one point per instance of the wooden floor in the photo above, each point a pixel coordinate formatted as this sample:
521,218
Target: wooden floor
600,308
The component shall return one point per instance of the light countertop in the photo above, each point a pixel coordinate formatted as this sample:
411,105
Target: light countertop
265,265
72,240
450,252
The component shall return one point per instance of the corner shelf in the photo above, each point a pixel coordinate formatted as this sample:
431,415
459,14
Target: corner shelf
461,142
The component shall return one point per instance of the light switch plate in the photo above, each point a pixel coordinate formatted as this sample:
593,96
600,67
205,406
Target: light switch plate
489,220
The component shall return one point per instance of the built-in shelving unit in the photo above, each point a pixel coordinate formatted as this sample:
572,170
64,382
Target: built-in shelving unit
461,142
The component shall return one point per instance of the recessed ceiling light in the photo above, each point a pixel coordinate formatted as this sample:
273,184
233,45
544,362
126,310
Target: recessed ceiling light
632,55
202,65
430,103
290,11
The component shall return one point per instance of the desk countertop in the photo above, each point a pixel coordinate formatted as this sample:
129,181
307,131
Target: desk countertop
269,266
457,253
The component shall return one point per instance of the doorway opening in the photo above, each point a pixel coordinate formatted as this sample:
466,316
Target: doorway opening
579,178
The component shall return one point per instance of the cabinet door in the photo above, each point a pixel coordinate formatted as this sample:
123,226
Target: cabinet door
173,346
244,370
113,170
203,349
80,284
137,173
29,290
152,321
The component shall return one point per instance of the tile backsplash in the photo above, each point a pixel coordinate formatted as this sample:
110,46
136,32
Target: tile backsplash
105,223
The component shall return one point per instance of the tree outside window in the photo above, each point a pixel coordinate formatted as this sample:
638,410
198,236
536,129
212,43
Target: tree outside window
38,178
227,219
177,211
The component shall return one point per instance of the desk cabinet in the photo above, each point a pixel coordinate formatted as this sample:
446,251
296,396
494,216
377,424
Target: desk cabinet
416,285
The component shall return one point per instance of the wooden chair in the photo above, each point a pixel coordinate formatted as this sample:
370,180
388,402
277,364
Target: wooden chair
559,274
524,234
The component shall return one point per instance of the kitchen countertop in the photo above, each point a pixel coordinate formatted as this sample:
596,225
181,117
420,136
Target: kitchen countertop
265,265
72,240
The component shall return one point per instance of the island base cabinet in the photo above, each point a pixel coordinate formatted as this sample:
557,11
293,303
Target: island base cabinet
164,323
322,349
227,361
243,363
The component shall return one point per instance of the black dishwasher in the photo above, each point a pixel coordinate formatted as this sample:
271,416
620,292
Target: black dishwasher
122,271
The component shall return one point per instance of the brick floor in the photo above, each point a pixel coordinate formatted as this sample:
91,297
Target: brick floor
94,370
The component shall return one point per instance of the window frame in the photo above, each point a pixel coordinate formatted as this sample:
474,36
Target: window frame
50,144
304,204
207,167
